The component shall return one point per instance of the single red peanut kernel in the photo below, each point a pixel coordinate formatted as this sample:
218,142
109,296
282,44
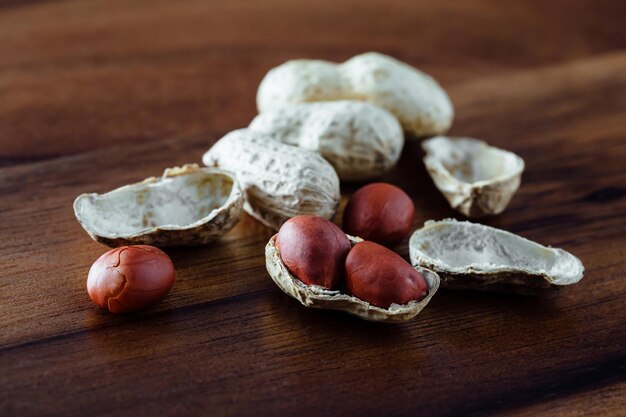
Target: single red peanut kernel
381,277
130,278
379,212
314,250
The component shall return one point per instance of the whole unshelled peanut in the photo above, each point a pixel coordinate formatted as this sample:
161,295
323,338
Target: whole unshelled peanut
314,250
381,277
130,278
379,212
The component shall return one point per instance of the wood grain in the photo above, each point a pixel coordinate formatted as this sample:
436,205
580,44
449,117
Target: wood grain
113,71
593,403
105,98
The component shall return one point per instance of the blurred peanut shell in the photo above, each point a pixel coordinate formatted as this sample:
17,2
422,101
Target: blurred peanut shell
416,99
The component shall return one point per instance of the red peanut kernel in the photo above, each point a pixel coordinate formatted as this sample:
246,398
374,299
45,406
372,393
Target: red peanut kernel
314,250
381,277
130,278
379,212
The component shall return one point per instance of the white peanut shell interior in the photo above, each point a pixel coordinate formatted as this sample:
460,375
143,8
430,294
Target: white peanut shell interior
467,251
416,99
476,179
318,297
360,140
188,205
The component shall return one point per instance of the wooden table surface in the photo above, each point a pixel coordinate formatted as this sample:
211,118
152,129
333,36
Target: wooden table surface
97,94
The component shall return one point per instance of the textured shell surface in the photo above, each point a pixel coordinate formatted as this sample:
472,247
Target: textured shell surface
416,99
360,140
186,206
474,256
476,179
318,297
279,181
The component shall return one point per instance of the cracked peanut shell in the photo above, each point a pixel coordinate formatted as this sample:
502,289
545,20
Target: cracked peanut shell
186,206
476,179
318,297
477,257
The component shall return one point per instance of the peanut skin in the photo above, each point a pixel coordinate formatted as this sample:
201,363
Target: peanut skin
379,212
314,250
130,278
381,277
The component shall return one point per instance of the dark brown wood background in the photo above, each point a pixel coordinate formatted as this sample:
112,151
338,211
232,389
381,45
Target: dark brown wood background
97,94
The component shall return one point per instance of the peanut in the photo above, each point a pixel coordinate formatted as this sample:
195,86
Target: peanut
379,212
416,99
130,278
279,181
381,277
314,250
360,140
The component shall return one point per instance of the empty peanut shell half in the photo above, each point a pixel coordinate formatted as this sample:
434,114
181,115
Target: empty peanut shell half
186,206
416,99
474,256
318,297
360,140
279,181
476,179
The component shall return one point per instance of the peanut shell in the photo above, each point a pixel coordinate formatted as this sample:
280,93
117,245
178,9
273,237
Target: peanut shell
478,257
186,206
360,140
416,99
318,297
476,179
279,181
